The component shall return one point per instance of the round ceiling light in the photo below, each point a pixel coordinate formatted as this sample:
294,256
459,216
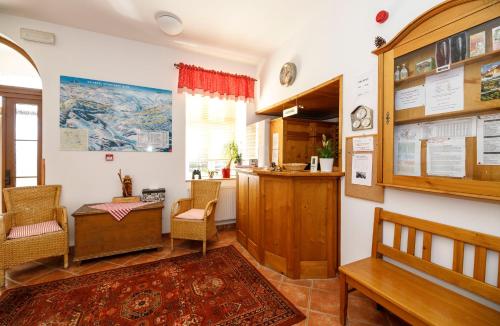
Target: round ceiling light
169,23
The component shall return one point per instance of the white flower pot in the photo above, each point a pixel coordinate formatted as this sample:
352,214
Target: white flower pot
326,164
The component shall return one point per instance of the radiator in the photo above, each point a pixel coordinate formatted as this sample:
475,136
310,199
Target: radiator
226,205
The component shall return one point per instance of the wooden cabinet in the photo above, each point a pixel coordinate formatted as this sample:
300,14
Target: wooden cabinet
290,221
456,37
99,234
295,141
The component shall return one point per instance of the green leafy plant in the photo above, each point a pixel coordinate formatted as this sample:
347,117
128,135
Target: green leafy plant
327,150
232,153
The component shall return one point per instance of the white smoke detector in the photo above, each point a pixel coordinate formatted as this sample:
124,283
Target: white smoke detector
169,23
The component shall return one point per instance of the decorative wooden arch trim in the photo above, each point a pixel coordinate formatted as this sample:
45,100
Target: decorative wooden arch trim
405,34
19,49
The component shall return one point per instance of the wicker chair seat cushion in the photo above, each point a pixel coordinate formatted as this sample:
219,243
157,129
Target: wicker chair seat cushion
33,229
192,214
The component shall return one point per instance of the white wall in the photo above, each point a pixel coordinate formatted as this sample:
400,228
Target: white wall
85,176
339,40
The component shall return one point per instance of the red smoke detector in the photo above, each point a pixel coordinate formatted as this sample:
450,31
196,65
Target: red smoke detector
382,16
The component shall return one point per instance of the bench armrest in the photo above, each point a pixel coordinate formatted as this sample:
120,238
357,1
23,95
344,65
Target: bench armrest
181,206
62,217
5,225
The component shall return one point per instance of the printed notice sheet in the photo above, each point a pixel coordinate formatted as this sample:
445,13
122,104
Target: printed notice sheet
444,92
410,97
407,149
462,127
446,157
73,139
362,169
488,140
362,144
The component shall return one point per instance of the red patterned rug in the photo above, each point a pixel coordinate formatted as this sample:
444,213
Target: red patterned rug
222,288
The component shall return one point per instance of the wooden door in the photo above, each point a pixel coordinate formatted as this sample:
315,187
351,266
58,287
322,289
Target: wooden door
296,142
22,145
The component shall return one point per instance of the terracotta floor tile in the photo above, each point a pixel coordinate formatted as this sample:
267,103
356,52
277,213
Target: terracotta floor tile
331,284
300,282
141,259
270,274
360,309
24,273
324,301
120,259
305,311
321,319
51,276
298,295
99,266
9,284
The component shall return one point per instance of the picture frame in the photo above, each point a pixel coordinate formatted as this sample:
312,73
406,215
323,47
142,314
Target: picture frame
443,55
424,65
477,44
458,47
495,38
314,164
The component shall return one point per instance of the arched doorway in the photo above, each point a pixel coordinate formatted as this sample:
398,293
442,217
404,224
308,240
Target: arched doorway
21,107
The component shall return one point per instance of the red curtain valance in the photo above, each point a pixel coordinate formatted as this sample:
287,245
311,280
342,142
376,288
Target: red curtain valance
195,80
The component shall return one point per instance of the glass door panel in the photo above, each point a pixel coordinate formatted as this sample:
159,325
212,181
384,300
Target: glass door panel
21,122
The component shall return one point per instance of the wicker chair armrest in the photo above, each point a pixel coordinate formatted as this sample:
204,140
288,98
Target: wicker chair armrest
210,208
62,217
5,225
181,206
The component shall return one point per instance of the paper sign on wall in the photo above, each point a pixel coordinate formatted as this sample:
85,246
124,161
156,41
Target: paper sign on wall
362,144
488,140
410,97
362,169
446,157
444,92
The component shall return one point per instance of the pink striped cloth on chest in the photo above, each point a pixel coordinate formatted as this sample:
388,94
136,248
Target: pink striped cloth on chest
118,210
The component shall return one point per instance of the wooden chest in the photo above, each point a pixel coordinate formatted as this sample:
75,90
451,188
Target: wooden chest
99,234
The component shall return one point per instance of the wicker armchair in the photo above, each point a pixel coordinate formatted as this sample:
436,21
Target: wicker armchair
29,206
194,218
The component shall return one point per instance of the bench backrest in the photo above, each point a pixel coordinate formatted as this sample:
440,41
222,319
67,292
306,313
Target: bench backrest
482,244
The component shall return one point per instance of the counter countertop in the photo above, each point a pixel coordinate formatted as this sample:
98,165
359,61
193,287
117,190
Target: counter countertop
292,173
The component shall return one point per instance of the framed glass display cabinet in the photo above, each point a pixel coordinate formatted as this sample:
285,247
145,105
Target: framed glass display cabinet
439,102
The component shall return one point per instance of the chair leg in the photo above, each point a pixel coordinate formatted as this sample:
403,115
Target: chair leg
2,277
204,247
66,261
343,299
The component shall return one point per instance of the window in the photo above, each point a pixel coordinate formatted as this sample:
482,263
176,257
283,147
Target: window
212,123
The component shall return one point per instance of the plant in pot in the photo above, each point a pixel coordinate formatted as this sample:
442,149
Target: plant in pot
232,155
326,154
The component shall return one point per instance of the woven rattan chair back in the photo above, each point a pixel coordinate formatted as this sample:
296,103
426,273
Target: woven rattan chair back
203,191
32,205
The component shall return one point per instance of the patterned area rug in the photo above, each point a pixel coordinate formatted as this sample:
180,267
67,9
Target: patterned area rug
222,288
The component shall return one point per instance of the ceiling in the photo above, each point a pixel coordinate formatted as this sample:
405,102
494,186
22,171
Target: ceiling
241,30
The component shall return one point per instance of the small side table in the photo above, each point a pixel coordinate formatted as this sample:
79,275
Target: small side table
99,234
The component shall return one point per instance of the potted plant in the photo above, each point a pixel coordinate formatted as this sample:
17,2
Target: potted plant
231,154
326,153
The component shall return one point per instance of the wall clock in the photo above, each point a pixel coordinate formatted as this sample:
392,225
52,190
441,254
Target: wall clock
361,118
288,73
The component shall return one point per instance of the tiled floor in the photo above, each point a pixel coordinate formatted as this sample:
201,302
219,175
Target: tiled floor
318,299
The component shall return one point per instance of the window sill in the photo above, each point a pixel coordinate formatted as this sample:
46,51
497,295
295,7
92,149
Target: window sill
216,179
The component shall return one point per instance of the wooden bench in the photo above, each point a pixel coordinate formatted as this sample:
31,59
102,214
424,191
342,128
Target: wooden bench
413,298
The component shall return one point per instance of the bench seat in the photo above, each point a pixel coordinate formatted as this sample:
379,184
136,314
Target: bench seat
416,300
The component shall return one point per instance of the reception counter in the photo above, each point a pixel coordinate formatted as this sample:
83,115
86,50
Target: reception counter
289,221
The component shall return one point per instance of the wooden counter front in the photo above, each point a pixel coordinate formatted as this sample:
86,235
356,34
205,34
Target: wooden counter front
289,221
